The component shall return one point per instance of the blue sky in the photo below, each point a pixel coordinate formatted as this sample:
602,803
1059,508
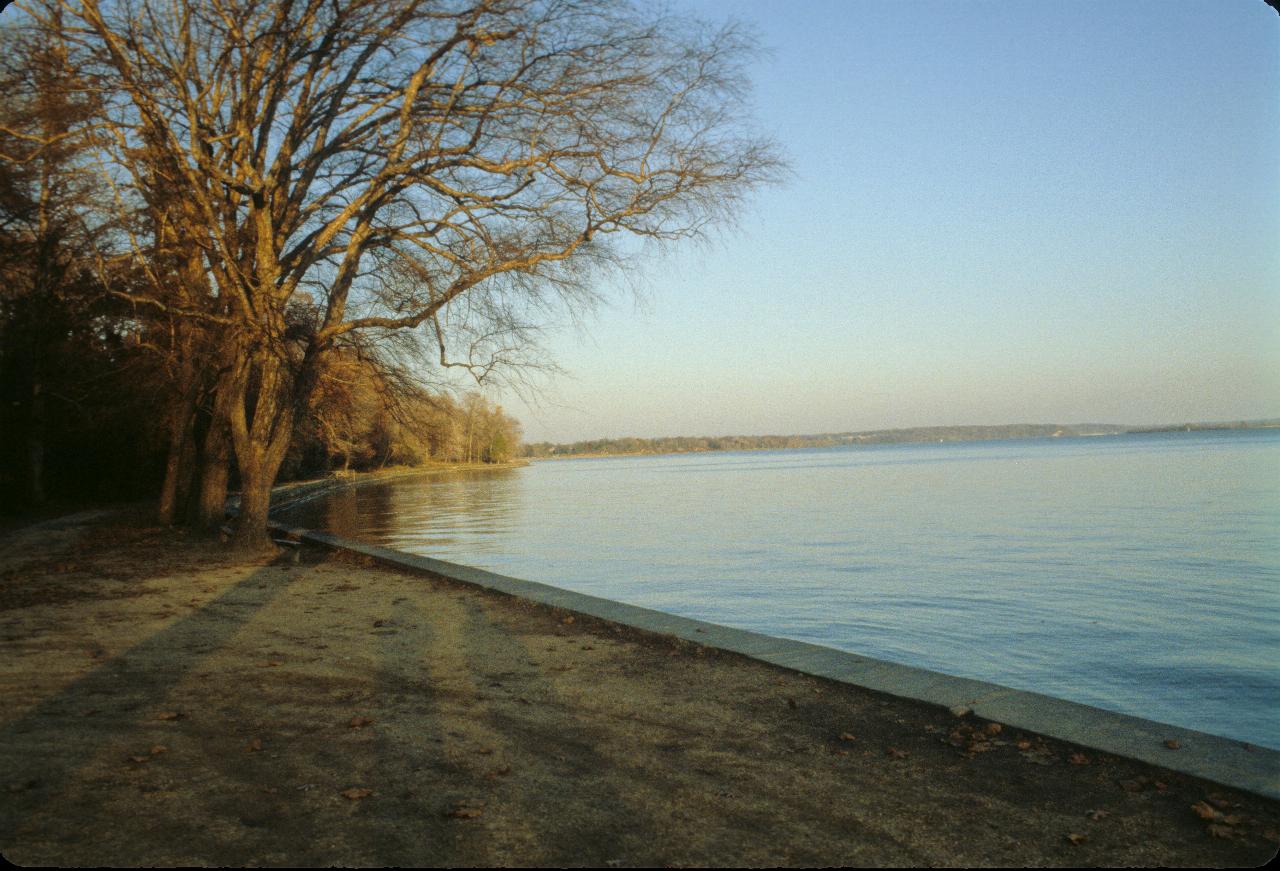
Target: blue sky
998,212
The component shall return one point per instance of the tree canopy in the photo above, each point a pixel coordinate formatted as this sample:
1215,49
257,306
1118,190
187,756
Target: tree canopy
285,179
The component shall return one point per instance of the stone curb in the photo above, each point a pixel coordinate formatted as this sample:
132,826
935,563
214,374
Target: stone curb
1222,760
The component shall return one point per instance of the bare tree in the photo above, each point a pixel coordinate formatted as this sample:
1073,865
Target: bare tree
403,162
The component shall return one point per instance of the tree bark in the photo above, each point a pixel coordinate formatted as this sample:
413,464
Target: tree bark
255,504
178,464
215,468
261,443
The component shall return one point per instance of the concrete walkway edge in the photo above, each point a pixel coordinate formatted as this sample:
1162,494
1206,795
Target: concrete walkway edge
1222,760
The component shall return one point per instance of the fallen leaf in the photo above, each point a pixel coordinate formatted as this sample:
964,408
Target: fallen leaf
467,809
839,752
255,745
993,728
378,623
158,749
1172,744
895,753
360,722
1097,815
357,792
499,772
1218,831
1078,759
567,620
846,736
139,758
1233,819
485,751
1077,838
959,711
1205,811
170,715
1160,785
268,663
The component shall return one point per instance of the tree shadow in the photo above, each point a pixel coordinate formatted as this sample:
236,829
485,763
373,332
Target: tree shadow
45,747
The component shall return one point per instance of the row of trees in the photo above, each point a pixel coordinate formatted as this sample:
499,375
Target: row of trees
677,445
236,199
355,425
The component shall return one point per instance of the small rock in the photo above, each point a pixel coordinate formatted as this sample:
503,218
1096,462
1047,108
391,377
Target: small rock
961,711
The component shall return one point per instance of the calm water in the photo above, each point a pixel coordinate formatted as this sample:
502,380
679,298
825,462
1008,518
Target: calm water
1136,573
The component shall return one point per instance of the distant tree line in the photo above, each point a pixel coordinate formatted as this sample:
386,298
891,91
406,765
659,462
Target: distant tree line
676,445
687,444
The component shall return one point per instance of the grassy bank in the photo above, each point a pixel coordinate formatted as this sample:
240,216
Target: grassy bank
169,703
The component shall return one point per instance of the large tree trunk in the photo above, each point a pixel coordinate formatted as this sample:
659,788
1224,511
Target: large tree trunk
255,502
215,469
178,464
258,465
261,443
215,463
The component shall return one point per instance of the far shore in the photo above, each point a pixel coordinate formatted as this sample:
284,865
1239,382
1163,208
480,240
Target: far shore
171,702
914,436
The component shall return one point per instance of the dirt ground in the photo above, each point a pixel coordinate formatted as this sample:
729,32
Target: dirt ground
168,703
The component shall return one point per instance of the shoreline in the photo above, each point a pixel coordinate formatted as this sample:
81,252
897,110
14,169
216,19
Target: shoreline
168,702
1228,761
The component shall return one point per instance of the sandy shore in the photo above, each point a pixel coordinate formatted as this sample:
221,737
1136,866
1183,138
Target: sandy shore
167,703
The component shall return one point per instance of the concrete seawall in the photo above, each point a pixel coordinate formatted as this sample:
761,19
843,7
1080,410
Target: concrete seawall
1222,760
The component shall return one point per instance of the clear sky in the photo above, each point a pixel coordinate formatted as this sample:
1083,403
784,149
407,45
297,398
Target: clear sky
998,212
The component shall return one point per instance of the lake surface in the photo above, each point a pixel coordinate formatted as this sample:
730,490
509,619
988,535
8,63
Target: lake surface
1139,573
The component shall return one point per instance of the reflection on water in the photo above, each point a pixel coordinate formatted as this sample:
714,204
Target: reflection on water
1137,573
421,513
